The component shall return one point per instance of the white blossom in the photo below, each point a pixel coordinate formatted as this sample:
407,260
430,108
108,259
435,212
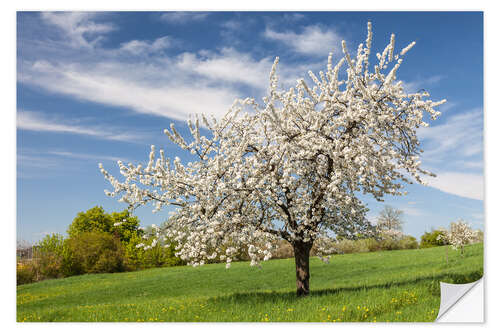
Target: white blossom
292,167
459,234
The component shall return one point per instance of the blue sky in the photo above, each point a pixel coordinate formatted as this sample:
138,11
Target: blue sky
98,87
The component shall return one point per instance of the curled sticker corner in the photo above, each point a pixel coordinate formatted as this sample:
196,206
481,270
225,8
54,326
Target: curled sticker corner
451,294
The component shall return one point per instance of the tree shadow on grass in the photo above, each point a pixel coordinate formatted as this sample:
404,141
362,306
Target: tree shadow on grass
259,297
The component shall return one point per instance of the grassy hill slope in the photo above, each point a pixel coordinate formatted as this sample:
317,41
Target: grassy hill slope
378,286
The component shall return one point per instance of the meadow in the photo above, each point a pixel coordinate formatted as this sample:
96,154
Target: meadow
394,286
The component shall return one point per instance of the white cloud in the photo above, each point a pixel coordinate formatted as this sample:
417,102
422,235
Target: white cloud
88,156
228,66
173,87
29,160
292,17
163,93
207,82
467,185
461,136
232,24
416,85
143,47
78,28
183,17
473,164
456,147
36,121
313,40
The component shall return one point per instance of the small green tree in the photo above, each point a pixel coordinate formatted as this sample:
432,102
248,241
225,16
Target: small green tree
53,257
125,226
122,224
96,252
159,255
94,219
432,239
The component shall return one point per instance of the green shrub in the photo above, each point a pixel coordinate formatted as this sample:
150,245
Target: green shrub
345,246
372,244
53,243
389,244
430,239
284,250
51,266
26,272
158,256
96,252
96,219
408,242
53,257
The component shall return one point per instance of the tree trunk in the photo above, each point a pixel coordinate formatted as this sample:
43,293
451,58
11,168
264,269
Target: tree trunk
301,251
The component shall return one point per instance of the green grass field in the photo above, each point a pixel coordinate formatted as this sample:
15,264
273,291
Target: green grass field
380,286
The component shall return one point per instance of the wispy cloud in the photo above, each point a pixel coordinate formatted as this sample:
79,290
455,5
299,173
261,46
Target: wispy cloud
150,82
144,47
40,162
78,28
461,135
117,84
229,66
416,85
39,122
232,24
473,164
466,185
183,17
88,156
293,17
313,40
36,164
454,149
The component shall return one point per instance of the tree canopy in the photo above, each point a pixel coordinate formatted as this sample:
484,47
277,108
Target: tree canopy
390,219
292,167
122,224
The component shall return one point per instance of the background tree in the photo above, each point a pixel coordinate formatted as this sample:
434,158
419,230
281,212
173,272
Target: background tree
96,252
291,168
123,225
458,235
94,219
433,238
390,222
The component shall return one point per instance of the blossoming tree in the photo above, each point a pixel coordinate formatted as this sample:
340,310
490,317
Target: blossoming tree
459,235
291,168
390,223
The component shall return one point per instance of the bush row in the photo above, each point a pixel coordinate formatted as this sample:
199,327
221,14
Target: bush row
90,252
285,250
